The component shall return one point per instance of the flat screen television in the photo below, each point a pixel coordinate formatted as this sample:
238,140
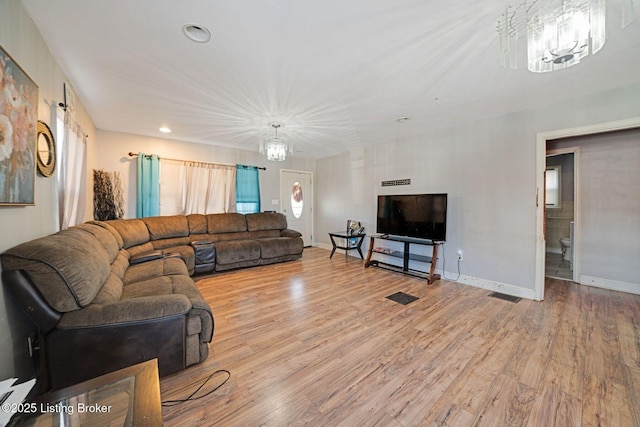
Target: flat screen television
422,216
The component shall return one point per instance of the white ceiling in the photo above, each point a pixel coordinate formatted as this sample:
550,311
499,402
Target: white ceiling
337,73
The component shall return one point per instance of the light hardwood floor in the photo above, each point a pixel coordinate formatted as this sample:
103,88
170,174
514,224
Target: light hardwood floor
315,342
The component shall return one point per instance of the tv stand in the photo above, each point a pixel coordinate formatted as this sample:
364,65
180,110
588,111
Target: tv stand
405,255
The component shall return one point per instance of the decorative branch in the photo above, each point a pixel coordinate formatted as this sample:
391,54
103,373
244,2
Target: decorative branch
108,200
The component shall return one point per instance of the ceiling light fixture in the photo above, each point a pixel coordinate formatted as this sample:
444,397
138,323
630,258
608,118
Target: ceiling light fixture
165,130
559,32
276,146
197,33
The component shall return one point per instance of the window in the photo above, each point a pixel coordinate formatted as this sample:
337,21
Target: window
553,178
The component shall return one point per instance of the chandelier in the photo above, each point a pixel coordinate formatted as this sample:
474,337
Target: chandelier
559,32
275,146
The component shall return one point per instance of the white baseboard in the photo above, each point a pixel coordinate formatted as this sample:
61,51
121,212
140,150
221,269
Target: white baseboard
491,285
613,285
352,253
323,246
516,291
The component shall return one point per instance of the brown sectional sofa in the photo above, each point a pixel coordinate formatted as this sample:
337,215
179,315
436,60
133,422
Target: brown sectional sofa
239,240
109,294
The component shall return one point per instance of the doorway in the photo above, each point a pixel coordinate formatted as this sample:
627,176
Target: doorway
561,213
296,202
541,152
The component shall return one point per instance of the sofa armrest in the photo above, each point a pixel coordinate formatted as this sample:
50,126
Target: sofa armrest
134,310
31,300
289,233
144,257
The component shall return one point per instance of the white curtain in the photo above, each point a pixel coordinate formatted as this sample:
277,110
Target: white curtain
72,161
170,187
194,187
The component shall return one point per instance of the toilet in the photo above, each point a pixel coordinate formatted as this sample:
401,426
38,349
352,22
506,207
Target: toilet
565,243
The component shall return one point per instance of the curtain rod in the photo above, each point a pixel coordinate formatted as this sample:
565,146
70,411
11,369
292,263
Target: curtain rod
132,154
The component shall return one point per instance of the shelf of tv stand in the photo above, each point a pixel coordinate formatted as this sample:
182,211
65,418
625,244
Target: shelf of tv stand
405,255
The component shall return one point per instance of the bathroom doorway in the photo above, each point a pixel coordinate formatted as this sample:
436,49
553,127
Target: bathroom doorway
561,207
542,147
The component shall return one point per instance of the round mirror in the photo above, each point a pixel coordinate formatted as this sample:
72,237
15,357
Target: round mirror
46,149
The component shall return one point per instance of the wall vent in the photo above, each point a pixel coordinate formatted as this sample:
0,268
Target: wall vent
396,182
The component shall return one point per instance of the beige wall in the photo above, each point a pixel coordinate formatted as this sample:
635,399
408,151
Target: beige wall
488,168
20,38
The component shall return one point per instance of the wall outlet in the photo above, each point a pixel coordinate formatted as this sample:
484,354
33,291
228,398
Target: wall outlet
460,255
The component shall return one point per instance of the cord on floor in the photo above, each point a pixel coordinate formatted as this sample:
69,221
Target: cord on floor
175,402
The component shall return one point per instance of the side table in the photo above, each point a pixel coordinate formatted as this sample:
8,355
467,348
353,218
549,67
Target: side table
128,397
350,244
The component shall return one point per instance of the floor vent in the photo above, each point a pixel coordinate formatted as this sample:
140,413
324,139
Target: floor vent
504,297
402,298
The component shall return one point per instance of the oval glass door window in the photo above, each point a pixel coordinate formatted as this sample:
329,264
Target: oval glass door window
296,199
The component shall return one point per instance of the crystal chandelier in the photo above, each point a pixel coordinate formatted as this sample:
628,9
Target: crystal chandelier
559,32
275,146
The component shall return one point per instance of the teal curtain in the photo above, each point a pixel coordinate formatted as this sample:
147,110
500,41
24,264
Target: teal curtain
148,185
247,189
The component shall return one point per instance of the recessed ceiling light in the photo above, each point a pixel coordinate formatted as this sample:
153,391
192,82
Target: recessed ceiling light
165,130
197,33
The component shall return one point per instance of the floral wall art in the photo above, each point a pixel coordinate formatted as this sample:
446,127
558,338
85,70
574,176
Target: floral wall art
18,130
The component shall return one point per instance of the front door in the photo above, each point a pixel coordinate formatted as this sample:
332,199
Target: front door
296,199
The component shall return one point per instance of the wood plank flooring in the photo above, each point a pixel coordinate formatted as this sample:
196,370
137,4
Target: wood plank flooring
315,342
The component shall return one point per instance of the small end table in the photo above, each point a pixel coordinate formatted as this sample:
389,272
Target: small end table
348,238
128,397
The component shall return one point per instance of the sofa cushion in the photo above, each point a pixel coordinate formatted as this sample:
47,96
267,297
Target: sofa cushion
197,224
165,227
154,269
274,247
262,234
223,237
155,286
200,320
170,242
234,251
111,291
68,267
138,250
111,230
266,221
226,223
108,240
132,310
121,263
187,254
133,231
290,233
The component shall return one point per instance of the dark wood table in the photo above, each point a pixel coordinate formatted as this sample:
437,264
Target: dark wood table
359,238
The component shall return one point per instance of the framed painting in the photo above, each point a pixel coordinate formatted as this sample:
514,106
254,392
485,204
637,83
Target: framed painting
18,133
